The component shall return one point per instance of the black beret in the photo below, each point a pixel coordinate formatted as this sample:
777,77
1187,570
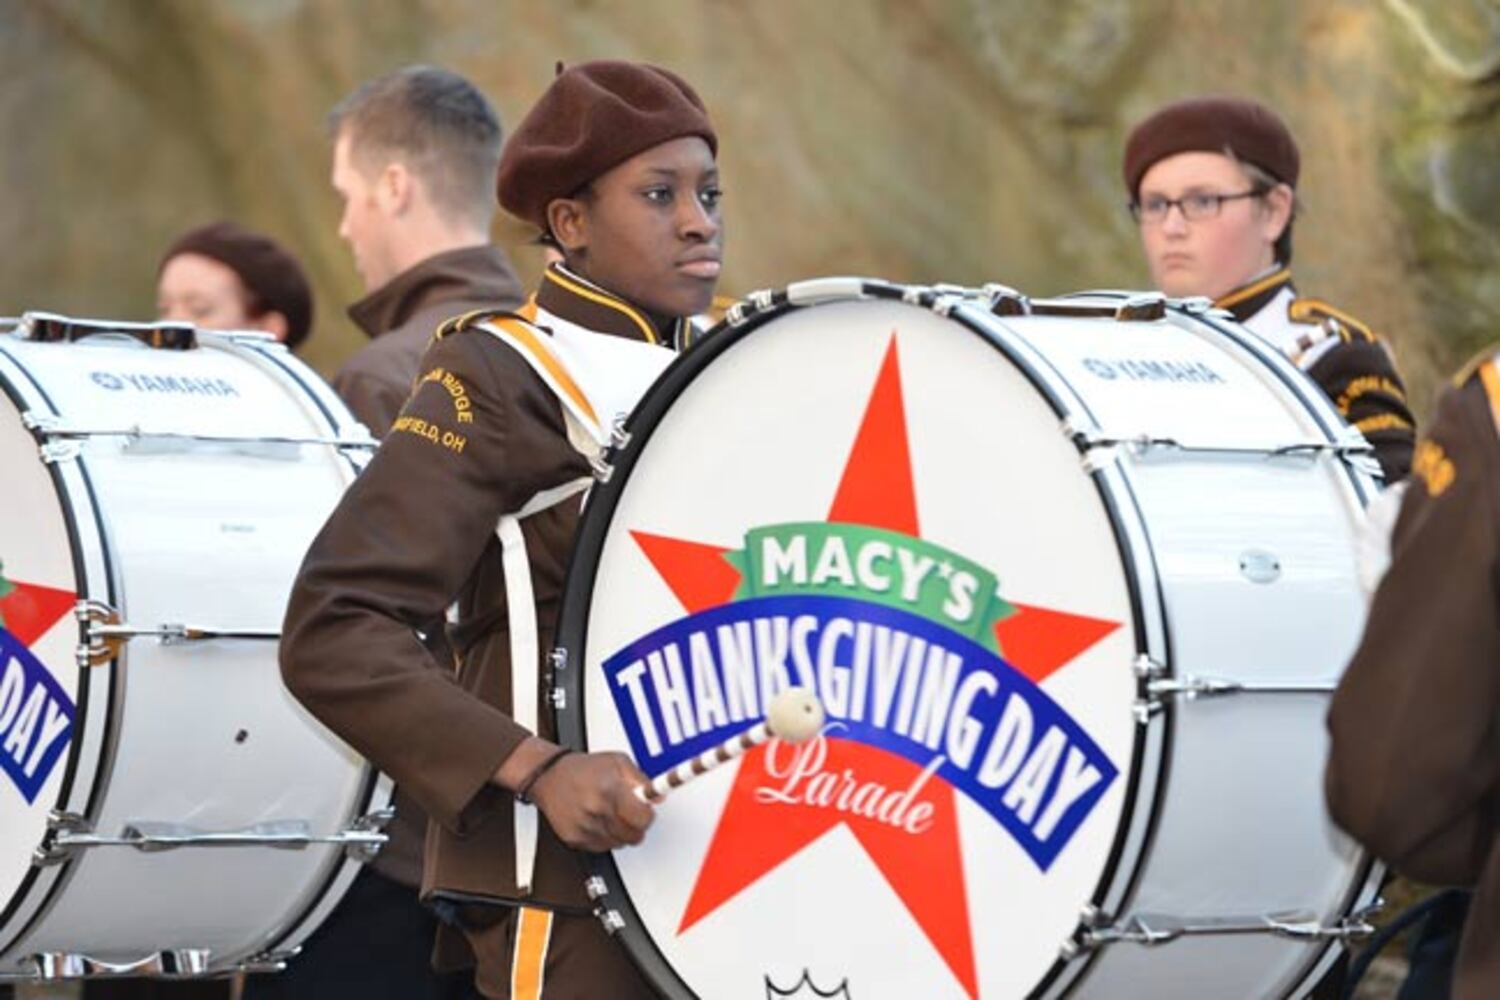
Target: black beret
1251,131
270,274
594,116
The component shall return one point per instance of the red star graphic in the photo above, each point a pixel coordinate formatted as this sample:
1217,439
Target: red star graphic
29,611
753,838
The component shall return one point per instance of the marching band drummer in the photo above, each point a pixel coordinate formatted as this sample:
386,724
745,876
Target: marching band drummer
616,165
1414,765
1212,184
224,277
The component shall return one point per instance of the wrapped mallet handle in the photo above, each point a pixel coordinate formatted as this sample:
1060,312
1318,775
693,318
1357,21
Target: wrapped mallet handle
795,716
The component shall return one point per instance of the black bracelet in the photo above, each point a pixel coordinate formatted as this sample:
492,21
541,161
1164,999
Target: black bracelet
523,794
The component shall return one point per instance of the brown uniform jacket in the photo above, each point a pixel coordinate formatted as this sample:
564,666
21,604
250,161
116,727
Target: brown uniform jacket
400,317
1352,365
479,437
1414,767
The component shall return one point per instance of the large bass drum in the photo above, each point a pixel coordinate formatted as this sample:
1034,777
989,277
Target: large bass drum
168,809
1073,580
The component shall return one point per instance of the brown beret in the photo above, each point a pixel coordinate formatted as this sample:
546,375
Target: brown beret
594,116
1251,131
270,274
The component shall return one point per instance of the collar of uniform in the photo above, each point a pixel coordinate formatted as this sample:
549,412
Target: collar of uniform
566,295
479,272
1251,298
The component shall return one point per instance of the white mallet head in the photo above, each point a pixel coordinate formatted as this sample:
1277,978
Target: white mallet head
795,715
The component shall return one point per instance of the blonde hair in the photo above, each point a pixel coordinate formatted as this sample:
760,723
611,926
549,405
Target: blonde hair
1263,180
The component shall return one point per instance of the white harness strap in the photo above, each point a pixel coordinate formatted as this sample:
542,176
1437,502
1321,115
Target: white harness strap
525,650
587,435
521,612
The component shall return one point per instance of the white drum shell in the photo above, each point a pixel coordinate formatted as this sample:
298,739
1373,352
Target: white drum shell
1241,830
201,735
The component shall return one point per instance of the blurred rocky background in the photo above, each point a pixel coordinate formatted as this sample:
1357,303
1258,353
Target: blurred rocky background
920,140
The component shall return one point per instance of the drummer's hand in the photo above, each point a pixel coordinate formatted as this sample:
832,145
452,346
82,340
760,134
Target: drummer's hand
590,800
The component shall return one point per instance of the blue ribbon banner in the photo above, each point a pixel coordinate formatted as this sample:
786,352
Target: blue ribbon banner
887,679
36,718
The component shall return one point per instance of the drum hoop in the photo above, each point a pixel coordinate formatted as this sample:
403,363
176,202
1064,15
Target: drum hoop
1149,757
75,518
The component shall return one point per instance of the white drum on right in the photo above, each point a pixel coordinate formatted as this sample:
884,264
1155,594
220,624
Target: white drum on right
1073,579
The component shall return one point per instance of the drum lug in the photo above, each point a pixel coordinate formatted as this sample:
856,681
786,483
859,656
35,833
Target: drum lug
1090,919
97,648
59,824
598,890
38,422
764,298
366,835
57,451
1095,452
557,662
619,437
943,304
612,921
1200,305
601,468
1146,668
1143,308
1146,671
53,450
174,963
268,961
1006,301
1357,924
1098,459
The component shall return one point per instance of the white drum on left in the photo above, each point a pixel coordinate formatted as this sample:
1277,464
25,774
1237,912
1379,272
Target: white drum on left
168,807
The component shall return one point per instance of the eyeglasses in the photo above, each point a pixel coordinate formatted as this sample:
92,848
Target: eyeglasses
1195,207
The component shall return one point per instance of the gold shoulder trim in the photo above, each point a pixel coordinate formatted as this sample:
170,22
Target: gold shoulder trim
1250,291
1316,311
1472,366
469,320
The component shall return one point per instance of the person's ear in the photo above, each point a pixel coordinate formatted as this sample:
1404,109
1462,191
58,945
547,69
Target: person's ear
569,221
1279,202
396,188
273,323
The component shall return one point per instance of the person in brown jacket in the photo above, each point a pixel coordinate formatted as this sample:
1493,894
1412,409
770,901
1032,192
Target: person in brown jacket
1414,767
1212,183
414,160
616,166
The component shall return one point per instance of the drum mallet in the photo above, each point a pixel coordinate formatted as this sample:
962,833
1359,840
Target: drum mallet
794,716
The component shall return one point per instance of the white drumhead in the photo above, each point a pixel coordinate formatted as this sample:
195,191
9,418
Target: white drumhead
841,487
38,681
